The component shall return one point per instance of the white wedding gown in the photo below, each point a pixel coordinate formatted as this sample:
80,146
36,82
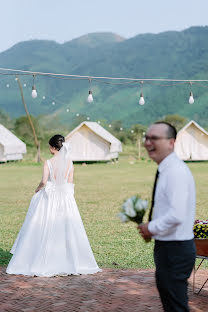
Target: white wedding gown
52,240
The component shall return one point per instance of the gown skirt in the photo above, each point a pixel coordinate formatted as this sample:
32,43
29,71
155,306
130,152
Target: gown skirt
52,240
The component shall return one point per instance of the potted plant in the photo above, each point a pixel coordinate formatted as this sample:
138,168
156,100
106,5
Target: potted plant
201,237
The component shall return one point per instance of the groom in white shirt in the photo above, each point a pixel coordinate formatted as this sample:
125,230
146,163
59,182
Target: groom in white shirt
171,218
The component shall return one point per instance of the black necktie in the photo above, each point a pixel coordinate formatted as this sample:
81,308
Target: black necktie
153,196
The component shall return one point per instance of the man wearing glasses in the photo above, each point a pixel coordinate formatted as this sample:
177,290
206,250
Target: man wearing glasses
171,218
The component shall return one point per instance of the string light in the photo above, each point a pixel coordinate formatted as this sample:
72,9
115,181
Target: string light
15,71
34,95
122,80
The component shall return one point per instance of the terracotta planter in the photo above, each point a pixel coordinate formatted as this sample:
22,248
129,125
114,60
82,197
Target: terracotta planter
201,246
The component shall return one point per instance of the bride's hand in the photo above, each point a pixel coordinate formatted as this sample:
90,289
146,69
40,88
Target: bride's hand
40,186
37,189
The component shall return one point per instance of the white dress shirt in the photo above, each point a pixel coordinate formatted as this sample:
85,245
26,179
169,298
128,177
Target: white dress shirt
174,208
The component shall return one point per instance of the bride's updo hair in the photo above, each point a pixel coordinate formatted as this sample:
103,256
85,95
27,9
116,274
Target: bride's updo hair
57,141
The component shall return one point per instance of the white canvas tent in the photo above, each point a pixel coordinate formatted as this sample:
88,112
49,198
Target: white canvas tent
91,142
11,148
192,142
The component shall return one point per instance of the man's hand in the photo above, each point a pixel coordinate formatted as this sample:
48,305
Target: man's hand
143,230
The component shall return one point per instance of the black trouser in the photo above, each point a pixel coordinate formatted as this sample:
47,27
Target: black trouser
174,262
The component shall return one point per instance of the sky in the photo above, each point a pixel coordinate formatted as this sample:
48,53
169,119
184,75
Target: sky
65,20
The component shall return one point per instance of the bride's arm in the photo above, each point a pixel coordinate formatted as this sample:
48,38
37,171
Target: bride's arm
44,177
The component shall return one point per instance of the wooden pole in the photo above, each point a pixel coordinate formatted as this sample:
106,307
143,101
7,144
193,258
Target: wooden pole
139,147
37,143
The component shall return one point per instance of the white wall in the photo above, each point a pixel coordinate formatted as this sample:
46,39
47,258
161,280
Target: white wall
88,146
2,157
192,144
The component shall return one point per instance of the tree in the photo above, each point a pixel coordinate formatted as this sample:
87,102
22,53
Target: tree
116,125
24,131
136,133
176,120
5,120
78,120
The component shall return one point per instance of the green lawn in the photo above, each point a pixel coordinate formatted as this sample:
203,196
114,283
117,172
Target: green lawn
99,191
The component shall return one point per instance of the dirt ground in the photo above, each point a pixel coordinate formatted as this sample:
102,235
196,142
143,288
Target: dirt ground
112,290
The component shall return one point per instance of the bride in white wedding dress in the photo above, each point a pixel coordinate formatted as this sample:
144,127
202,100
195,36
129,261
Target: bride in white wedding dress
52,240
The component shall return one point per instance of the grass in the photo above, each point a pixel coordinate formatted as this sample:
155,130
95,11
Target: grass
99,191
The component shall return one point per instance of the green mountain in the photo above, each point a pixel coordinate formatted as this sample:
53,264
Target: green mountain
173,55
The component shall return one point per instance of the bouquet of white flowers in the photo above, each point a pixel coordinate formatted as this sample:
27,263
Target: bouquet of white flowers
133,209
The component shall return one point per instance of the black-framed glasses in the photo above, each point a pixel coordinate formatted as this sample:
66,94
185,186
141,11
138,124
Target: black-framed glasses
155,138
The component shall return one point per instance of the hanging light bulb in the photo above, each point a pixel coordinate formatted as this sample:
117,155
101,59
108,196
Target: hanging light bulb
34,92
141,100
90,98
191,98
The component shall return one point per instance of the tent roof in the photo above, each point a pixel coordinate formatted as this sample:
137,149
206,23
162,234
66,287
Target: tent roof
10,142
99,130
196,125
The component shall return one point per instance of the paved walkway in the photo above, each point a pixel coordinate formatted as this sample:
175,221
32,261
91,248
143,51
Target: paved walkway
112,290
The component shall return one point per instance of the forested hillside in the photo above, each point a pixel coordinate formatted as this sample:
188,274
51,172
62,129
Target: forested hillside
177,55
